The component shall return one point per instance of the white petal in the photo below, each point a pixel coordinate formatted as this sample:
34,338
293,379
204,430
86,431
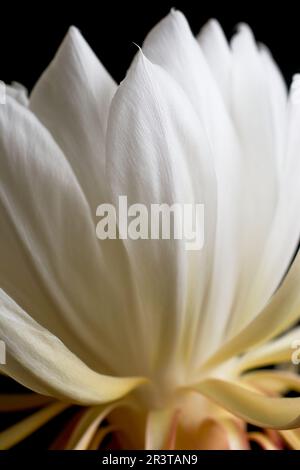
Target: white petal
285,231
254,116
172,45
216,49
40,361
18,92
51,263
256,97
72,100
277,96
157,153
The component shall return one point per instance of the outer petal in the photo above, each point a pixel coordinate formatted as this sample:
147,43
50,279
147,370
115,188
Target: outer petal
51,262
18,402
18,92
72,99
275,413
172,45
87,426
292,437
157,153
262,440
275,352
275,382
40,361
21,430
281,312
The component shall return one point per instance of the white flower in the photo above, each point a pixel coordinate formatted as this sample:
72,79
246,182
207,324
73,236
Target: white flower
90,322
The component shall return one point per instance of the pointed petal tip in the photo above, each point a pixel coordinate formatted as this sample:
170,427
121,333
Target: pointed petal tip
73,31
243,27
243,35
212,28
296,80
295,89
73,34
175,16
212,24
72,39
141,60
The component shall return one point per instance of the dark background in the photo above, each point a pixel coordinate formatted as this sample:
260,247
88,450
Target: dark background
30,34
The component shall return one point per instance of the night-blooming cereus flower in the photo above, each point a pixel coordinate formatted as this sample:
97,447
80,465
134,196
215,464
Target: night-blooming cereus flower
161,346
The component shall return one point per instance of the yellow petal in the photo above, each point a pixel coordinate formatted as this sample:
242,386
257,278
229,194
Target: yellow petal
254,408
24,401
87,426
100,435
262,440
292,437
274,381
21,430
280,313
235,435
40,361
274,352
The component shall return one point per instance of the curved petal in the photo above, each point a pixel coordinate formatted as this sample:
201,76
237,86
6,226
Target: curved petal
21,430
235,434
158,153
262,440
172,45
87,426
266,412
276,352
18,92
292,437
100,436
18,402
40,361
281,312
51,262
72,99
273,381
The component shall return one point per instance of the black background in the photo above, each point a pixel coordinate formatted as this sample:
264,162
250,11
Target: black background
30,34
